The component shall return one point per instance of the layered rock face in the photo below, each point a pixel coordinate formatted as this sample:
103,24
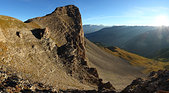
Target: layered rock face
65,28
48,50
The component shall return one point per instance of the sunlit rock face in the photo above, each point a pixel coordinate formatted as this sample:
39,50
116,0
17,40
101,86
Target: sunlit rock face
49,50
65,27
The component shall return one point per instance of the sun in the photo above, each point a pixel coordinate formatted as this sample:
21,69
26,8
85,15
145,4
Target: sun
161,20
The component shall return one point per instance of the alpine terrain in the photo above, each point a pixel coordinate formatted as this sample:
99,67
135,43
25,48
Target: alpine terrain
50,54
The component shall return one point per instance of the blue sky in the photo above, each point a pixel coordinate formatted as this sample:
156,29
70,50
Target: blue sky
106,12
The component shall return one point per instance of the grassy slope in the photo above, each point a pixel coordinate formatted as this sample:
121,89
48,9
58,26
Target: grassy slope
7,22
136,60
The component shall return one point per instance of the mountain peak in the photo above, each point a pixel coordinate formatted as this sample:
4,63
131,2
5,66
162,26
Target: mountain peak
69,10
65,28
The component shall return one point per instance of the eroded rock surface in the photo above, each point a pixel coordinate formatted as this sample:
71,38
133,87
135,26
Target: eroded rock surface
49,50
66,27
157,82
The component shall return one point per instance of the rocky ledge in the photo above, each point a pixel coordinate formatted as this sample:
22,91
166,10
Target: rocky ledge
157,82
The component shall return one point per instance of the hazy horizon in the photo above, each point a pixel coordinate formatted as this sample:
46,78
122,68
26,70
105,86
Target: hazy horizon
127,25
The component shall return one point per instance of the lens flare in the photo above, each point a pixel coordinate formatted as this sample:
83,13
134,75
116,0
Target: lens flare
161,20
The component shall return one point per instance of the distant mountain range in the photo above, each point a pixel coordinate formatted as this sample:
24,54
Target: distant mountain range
143,40
92,28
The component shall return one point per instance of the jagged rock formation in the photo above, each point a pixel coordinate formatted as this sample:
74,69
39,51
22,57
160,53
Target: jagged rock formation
49,50
157,82
65,23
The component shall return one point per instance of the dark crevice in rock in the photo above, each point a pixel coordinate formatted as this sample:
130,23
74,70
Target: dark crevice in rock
93,71
18,34
38,33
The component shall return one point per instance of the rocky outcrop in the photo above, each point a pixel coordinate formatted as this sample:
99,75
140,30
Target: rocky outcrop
66,27
157,82
11,83
49,50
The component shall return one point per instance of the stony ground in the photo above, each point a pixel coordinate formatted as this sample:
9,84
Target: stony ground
12,83
157,82
111,68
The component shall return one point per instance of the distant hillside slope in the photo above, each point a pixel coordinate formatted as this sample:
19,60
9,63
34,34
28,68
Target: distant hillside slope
148,43
111,68
92,28
162,55
142,40
136,60
119,66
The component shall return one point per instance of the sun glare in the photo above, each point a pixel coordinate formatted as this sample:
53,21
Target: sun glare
161,21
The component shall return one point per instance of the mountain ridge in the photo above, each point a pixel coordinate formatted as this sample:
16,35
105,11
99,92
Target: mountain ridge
92,28
135,39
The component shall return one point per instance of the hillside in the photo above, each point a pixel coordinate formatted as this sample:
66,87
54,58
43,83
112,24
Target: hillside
162,55
136,60
148,43
115,64
111,68
142,40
